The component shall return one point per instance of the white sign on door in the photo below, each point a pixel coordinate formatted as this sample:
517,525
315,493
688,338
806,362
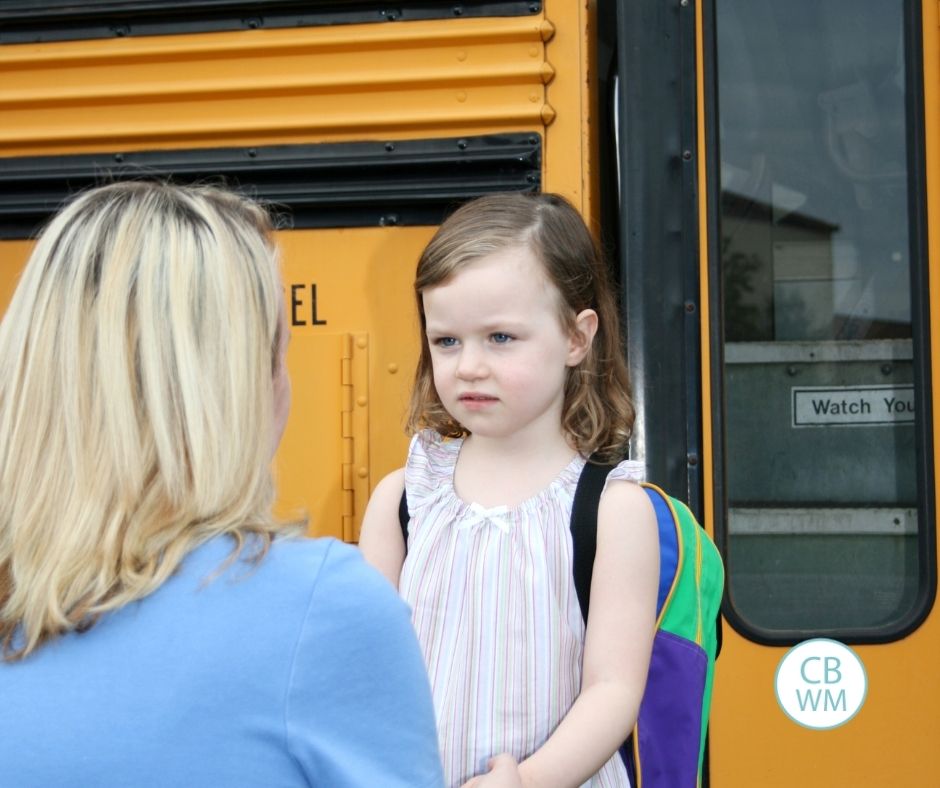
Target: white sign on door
852,406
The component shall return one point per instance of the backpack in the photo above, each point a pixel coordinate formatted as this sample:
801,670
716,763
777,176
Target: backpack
667,746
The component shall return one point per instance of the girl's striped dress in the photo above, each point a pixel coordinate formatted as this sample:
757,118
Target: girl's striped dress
495,610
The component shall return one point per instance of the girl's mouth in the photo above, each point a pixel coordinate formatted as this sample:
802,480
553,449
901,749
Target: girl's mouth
476,401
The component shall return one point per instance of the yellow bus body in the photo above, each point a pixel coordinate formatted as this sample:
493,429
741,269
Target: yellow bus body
348,290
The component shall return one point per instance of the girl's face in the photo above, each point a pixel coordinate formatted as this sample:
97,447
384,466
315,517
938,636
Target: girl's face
499,351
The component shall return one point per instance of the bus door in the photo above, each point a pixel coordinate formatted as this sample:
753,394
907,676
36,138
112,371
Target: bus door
820,139
778,238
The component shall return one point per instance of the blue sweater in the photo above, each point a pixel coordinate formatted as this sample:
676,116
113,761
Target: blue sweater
303,671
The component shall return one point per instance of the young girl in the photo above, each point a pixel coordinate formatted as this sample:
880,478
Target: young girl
520,379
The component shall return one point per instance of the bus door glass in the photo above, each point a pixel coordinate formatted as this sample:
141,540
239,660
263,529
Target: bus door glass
820,345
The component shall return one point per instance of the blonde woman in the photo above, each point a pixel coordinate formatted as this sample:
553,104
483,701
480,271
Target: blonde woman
158,627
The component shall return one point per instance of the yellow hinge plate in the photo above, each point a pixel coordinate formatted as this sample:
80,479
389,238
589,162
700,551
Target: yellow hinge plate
355,426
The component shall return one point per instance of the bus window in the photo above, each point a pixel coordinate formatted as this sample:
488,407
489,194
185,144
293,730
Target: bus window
820,350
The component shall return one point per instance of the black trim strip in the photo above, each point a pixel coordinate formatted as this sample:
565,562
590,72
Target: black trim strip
658,235
715,290
692,328
35,21
920,323
711,189
354,184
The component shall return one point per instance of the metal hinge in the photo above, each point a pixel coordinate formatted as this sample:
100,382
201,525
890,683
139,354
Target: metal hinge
355,426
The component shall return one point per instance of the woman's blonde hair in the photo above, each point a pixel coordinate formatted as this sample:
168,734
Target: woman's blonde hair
136,401
598,412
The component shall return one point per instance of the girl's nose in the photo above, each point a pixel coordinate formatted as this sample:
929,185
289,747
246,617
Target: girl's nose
470,365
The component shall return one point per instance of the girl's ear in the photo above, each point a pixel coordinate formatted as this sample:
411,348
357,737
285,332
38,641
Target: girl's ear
581,337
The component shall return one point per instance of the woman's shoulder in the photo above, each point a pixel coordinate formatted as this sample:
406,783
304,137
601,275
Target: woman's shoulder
345,595
287,556
304,579
333,567
310,558
291,570
306,551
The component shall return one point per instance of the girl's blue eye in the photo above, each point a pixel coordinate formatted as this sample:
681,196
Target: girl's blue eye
500,339
445,342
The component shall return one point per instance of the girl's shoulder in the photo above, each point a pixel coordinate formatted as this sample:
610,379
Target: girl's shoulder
626,471
429,469
625,499
429,449
633,471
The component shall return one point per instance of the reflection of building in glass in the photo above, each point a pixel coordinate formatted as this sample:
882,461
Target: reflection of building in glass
778,272
789,276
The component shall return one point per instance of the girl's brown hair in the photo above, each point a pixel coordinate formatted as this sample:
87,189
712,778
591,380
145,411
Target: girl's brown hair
598,411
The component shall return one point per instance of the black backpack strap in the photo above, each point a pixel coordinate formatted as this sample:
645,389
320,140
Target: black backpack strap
403,518
587,498
718,633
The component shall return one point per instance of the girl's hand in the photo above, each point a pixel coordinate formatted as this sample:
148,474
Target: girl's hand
503,773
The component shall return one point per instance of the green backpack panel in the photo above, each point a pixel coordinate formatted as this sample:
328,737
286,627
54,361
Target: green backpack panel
667,746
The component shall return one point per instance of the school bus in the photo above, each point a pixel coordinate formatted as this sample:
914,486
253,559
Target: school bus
764,177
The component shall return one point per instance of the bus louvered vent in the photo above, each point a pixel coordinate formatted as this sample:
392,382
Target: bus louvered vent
359,184
29,21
